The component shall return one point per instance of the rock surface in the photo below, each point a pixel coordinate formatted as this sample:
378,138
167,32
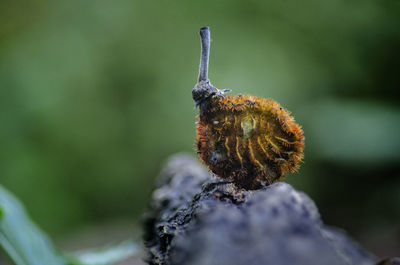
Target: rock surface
198,220
390,261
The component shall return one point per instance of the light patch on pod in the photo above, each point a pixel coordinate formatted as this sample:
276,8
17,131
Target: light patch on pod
247,127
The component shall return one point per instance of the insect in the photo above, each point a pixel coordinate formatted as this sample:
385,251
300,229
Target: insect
249,140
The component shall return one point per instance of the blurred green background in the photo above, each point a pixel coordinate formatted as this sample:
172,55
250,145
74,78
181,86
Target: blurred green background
95,95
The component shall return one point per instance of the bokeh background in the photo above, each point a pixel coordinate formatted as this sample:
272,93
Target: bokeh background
95,95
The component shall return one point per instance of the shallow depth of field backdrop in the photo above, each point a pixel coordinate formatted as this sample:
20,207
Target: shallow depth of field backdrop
94,95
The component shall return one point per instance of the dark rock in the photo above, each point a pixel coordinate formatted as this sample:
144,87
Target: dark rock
390,261
199,220
180,180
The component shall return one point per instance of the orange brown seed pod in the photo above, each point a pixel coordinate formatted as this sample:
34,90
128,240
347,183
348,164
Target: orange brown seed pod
249,140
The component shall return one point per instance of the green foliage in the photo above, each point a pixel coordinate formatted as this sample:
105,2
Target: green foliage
108,255
26,244
22,240
361,132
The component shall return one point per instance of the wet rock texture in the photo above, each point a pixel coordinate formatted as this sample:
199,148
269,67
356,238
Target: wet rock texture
199,220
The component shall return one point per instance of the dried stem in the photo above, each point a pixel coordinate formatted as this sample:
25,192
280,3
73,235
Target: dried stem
205,53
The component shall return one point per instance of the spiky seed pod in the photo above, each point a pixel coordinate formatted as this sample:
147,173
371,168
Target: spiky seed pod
249,140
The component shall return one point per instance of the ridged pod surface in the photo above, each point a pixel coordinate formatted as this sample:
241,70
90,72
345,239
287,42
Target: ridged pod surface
248,139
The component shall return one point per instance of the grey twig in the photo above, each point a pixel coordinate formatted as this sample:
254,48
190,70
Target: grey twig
205,53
